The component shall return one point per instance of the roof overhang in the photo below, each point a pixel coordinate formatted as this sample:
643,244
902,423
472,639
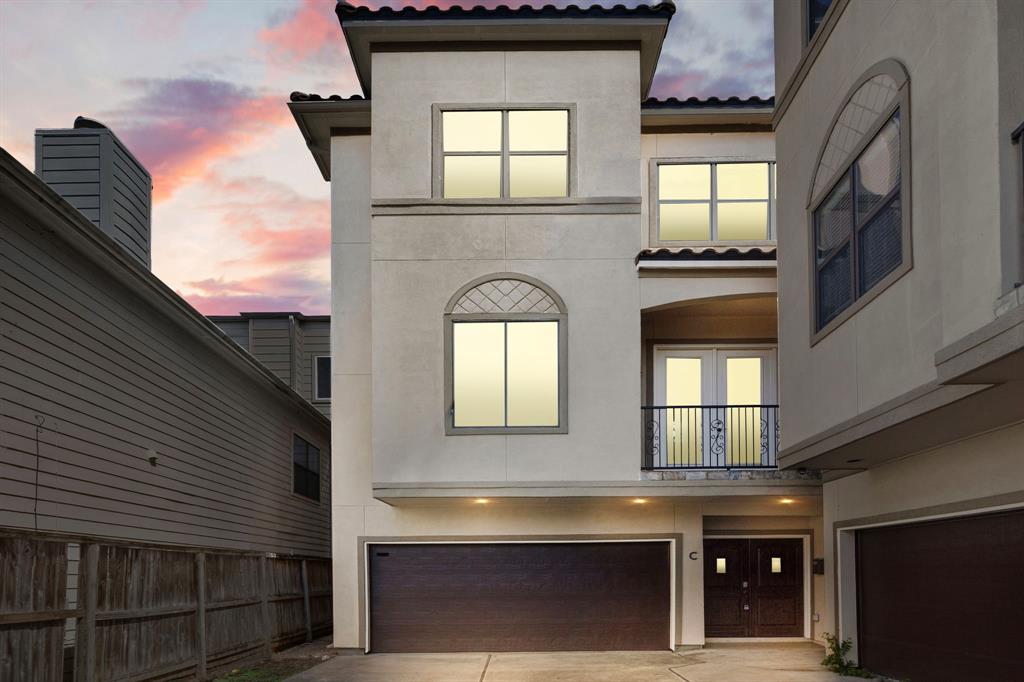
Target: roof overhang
642,29
321,119
705,116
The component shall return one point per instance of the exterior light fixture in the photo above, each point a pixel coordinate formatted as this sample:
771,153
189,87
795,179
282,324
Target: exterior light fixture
786,500
640,500
481,500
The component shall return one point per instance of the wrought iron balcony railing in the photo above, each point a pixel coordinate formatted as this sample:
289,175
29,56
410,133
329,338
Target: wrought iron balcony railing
711,436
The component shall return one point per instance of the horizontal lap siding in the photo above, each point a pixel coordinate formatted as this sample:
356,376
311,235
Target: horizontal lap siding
130,203
72,167
316,342
270,343
116,382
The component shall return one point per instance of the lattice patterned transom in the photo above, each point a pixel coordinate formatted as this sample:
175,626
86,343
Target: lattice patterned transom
859,114
505,296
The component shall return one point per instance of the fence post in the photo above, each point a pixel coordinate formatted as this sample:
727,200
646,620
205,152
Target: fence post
201,615
305,602
85,632
268,633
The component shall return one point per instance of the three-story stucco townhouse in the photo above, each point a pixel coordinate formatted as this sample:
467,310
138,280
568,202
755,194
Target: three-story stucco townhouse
901,326
554,401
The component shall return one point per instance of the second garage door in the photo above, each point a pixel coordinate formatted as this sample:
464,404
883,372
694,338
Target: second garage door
942,600
584,596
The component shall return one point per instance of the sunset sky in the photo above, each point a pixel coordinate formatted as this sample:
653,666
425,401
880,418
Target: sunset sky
198,90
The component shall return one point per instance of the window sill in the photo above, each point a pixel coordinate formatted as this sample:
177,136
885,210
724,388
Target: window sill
435,205
450,430
859,304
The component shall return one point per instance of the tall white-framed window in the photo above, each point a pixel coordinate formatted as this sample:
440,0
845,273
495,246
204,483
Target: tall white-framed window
715,406
503,152
712,201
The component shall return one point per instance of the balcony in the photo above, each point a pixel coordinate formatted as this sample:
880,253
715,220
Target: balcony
710,437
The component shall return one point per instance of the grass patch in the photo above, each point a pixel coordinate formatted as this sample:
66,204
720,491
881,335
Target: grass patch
269,671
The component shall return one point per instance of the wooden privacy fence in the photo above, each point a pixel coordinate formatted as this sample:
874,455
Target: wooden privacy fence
146,612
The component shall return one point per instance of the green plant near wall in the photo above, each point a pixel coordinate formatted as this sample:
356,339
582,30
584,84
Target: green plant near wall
836,661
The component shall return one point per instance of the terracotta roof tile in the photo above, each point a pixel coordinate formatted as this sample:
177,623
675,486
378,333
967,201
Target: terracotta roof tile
709,253
313,97
709,103
347,11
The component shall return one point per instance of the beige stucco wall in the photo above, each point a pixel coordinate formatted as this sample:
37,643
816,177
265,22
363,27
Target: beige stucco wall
888,347
789,20
418,262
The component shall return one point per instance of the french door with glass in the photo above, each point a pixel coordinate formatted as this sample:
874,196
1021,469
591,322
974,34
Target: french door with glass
714,407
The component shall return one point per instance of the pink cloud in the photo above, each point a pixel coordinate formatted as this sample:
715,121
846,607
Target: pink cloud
311,31
283,226
179,127
287,291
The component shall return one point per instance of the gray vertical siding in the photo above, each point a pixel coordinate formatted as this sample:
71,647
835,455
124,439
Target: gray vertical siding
117,370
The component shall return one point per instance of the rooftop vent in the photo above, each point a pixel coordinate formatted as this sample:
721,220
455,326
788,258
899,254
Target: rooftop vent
93,170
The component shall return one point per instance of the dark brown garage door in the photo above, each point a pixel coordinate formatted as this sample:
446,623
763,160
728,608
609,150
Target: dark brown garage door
519,597
943,600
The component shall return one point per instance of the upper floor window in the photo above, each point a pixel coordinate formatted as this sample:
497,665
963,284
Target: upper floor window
504,153
859,198
305,468
322,377
724,201
505,357
816,11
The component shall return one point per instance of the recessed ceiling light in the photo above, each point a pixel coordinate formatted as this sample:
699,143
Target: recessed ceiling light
786,500
640,500
481,500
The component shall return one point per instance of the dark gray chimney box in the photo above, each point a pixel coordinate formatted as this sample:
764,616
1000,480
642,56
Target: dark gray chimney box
93,170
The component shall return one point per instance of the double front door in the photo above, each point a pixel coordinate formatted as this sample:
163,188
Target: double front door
753,587
715,406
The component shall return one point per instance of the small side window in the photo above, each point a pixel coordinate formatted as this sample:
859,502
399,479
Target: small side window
816,11
322,377
305,468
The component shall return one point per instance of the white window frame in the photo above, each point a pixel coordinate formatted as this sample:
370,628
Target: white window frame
316,379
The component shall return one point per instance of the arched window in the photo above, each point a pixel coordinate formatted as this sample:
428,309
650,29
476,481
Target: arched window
860,198
505,357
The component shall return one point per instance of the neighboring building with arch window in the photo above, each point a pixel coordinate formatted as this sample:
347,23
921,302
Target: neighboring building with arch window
901,220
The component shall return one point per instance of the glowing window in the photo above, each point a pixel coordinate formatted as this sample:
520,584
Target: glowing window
715,201
506,357
776,564
518,153
720,565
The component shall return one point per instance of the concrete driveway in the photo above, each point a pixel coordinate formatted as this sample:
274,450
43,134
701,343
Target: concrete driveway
755,662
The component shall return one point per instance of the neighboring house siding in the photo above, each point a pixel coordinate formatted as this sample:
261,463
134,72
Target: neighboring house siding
270,342
71,165
93,171
238,331
116,377
316,343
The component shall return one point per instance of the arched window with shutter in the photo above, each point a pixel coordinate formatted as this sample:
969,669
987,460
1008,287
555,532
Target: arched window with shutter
859,199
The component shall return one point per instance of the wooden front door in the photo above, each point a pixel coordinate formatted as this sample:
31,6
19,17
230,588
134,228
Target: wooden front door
753,587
